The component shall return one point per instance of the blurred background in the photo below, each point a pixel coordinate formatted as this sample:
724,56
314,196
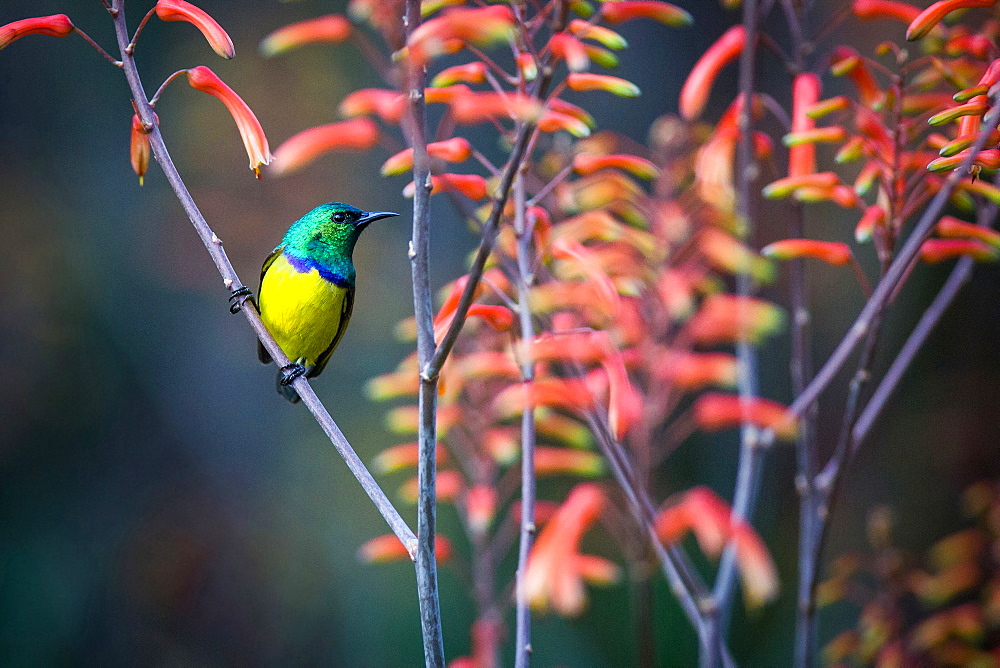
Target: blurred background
160,504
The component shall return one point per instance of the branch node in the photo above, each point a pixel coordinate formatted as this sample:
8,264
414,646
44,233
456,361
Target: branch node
411,251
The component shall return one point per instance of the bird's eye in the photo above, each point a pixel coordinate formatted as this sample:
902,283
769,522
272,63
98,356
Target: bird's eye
339,217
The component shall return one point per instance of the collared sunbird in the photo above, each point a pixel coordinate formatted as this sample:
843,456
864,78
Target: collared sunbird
307,289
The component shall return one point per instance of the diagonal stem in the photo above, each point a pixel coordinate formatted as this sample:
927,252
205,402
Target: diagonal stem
232,283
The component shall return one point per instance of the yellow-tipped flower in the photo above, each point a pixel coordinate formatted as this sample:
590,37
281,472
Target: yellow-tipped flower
329,28
584,81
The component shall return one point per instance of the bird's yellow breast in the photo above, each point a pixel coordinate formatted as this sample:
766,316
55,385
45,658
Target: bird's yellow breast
302,310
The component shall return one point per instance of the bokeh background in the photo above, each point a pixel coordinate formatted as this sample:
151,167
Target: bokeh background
160,505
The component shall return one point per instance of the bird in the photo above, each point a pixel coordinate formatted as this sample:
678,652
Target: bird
306,291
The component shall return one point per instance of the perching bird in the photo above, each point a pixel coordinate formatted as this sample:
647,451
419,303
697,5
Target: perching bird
307,289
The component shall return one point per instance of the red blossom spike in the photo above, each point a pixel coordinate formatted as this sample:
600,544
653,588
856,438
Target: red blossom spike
329,28
179,10
203,79
832,252
470,73
388,105
569,49
694,94
472,186
805,94
934,14
139,148
713,412
664,12
56,25
870,10
934,251
388,548
300,150
552,579
456,149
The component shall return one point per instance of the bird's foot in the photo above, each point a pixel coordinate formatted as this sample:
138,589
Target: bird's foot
290,372
236,299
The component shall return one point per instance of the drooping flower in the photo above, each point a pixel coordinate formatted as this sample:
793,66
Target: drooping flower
832,252
139,148
179,10
556,570
203,79
56,25
934,14
301,149
383,549
941,250
329,28
694,94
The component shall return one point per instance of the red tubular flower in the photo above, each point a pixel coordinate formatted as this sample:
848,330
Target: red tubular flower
833,134
473,108
329,28
568,48
480,503
953,228
847,62
713,412
456,149
584,81
832,252
450,485
787,186
587,30
472,186
942,250
470,73
481,26
664,12
203,79
527,66
179,10
693,371
553,577
585,163
694,94
933,15
139,149
805,95
404,456
871,10
559,461
299,150
554,121
383,549
984,159
386,104
725,253
56,25
728,318
568,394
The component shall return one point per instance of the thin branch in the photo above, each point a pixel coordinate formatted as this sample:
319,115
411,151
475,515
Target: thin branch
163,86
97,47
423,309
232,283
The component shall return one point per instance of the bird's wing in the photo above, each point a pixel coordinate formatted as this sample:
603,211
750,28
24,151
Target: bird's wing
262,353
345,317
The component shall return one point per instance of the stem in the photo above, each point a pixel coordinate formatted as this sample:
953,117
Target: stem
130,49
97,47
163,86
523,280
232,282
423,309
751,450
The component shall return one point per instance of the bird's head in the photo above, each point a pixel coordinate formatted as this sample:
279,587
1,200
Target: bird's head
332,227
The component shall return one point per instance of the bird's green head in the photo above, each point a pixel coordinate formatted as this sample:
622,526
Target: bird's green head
325,236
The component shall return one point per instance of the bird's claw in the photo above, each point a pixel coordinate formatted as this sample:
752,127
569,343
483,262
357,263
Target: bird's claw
236,299
290,372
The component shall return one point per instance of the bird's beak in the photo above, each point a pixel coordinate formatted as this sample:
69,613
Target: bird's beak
372,216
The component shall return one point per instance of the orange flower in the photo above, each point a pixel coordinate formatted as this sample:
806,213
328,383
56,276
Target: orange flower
832,252
790,184
448,487
585,81
713,412
388,105
701,511
388,548
203,79
566,47
587,30
554,575
933,15
456,149
470,73
870,10
952,228
664,12
558,461
446,34
585,163
299,150
805,95
329,28
404,456
56,25
847,62
179,10
568,394
941,250
139,149
567,249
472,186
480,504
693,371
472,108
554,121
725,253
694,94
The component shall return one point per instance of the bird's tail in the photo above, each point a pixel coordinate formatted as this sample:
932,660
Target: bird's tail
287,391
